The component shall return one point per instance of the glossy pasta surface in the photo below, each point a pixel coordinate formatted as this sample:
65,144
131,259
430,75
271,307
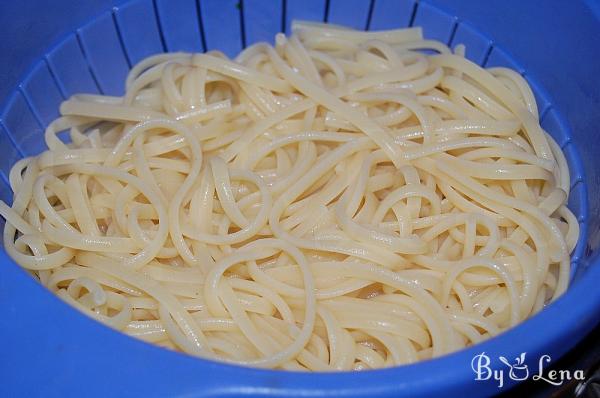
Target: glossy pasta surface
342,200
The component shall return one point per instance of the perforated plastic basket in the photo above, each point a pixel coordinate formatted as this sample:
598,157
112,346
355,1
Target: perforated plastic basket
52,50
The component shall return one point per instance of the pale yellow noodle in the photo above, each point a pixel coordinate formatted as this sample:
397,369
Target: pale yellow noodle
340,201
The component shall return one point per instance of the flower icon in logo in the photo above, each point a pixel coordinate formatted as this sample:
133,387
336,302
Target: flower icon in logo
518,370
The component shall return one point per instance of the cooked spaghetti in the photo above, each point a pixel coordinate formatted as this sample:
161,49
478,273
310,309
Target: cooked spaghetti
343,200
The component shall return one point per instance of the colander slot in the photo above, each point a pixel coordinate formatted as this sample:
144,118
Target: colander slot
579,256
70,68
10,154
103,50
214,15
391,14
4,195
22,126
121,42
478,46
266,17
180,25
308,10
437,24
351,13
42,94
574,164
541,96
576,204
551,122
499,57
138,30
370,16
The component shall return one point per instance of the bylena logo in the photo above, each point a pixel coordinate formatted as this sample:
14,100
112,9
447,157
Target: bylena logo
518,370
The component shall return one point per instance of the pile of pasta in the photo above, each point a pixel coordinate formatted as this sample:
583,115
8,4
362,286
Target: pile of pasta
341,200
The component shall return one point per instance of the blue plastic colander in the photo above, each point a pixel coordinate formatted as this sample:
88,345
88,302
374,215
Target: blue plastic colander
51,50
